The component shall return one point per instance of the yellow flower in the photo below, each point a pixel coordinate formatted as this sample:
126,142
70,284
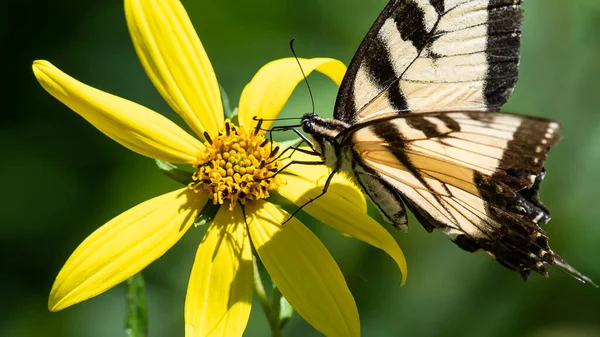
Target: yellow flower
232,166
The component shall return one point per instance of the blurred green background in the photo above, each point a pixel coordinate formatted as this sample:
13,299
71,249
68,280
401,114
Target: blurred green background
62,179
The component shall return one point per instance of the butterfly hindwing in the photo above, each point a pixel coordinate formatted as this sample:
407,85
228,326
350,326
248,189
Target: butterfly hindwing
434,55
457,173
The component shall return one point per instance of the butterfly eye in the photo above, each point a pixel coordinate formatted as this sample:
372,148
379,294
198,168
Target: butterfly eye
306,126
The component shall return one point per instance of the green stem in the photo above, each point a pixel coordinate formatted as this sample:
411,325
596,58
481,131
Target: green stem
137,310
276,305
272,317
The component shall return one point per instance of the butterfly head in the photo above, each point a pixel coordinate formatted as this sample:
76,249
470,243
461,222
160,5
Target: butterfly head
323,132
325,128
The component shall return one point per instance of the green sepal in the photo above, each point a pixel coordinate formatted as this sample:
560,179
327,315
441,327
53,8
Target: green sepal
226,105
175,173
285,312
234,116
289,143
231,114
207,215
137,309
280,308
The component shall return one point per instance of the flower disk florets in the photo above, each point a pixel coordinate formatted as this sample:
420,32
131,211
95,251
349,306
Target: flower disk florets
237,166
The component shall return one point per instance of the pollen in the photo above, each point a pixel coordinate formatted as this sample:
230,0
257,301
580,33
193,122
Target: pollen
236,166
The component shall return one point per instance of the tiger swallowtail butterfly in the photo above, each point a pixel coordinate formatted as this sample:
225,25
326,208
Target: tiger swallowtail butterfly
417,123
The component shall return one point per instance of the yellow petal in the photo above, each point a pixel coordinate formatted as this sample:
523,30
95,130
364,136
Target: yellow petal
130,124
303,270
220,289
273,84
124,246
319,173
176,62
336,211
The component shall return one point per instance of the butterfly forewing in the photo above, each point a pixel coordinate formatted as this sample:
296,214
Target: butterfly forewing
434,55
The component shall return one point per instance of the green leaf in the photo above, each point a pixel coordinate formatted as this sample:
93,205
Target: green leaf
207,215
137,310
172,171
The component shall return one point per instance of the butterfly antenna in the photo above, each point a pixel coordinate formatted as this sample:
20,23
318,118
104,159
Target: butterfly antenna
312,100
255,118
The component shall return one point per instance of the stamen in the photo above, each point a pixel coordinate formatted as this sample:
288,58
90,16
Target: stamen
258,125
275,150
207,136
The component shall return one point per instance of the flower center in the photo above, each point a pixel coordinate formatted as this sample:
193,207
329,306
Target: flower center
237,166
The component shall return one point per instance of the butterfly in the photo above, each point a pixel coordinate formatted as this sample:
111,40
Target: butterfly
417,124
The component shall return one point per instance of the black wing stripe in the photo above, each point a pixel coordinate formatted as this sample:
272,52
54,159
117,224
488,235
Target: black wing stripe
381,72
449,122
438,5
504,36
410,22
429,128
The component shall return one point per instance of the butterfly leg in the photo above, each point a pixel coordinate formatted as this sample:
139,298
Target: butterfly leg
297,148
307,141
294,148
310,200
300,162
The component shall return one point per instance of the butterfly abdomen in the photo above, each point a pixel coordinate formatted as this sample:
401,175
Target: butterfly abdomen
381,194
